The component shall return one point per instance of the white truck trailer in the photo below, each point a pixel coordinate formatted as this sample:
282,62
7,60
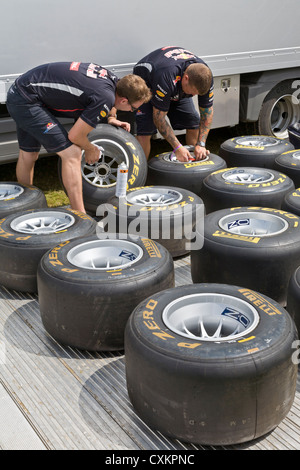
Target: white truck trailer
252,47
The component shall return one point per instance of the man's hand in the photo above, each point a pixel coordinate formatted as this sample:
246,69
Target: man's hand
183,155
200,152
92,154
115,122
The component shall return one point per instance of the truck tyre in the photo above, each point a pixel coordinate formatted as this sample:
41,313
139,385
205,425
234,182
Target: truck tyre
253,150
293,297
164,169
171,216
16,197
88,288
206,373
255,247
280,109
26,236
244,186
291,202
289,163
99,180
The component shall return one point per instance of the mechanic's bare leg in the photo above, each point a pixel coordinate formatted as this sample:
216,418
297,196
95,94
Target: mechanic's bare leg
191,136
25,167
71,176
145,141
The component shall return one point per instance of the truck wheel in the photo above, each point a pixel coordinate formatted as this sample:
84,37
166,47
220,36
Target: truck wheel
88,288
279,110
16,197
253,150
206,373
26,236
245,186
291,202
289,164
170,216
293,297
166,170
255,247
99,180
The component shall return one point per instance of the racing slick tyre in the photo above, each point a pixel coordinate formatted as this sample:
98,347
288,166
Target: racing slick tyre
16,197
171,216
253,150
27,235
244,186
99,180
88,288
208,372
289,164
255,247
291,202
293,297
164,169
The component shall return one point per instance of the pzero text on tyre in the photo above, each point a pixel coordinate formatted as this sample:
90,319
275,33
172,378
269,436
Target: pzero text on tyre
165,170
88,288
27,235
293,297
255,247
253,150
171,216
15,197
245,186
291,202
208,372
289,164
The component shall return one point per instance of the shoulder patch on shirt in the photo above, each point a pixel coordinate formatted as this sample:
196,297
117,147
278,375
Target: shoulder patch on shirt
75,66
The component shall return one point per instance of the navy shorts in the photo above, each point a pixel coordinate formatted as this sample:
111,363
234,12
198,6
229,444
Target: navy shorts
36,126
182,115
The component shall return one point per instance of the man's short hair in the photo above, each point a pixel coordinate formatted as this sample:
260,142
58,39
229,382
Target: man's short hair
133,88
200,76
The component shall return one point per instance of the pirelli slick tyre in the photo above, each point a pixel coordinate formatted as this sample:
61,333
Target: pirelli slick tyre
293,297
99,180
291,202
253,150
27,235
88,288
289,164
171,216
164,170
16,197
244,186
208,372
255,247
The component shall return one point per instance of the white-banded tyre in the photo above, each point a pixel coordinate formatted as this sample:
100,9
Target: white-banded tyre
16,197
289,164
293,297
165,170
99,180
171,216
253,150
27,235
210,363
88,288
245,186
291,202
255,247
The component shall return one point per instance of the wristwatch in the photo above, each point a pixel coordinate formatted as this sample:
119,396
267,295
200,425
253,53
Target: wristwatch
201,143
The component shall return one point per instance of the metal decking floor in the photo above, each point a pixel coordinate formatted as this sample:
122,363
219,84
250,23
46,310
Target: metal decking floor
60,398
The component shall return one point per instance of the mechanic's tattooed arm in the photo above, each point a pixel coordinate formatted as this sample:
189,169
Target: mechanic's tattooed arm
159,119
206,117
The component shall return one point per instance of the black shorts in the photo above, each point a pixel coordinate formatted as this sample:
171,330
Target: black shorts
36,126
182,115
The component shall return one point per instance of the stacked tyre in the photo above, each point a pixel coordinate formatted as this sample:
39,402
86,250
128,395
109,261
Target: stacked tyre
15,197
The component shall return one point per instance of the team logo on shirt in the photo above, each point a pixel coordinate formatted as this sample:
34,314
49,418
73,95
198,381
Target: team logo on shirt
177,79
49,126
102,114
177,54
75,66
160,93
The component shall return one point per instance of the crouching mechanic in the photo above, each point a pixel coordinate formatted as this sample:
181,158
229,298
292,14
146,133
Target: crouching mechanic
174,76
86,92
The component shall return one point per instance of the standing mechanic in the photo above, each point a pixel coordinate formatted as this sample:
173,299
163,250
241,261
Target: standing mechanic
84,91
174,75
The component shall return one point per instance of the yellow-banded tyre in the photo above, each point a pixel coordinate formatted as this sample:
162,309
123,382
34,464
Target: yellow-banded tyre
253,150
171,216
291,202
200,366
245,186
27,235
165,170
289,164
15,197
293,297
99,180
88,288
255,247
